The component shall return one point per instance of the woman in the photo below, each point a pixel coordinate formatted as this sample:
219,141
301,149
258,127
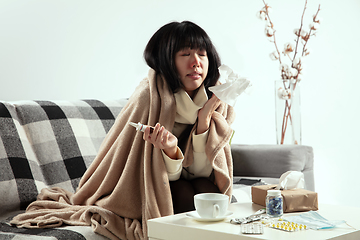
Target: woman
184,55
132,180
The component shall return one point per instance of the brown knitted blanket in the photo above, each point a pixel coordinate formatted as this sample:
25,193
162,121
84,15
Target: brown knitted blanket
127,183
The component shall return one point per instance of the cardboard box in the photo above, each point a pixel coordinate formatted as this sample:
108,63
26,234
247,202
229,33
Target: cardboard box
295,200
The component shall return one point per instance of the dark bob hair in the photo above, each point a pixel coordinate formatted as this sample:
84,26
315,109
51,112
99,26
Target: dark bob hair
160,52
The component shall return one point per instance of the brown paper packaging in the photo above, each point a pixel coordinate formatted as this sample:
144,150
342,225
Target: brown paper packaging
295,200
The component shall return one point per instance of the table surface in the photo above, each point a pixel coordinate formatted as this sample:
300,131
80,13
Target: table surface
180,226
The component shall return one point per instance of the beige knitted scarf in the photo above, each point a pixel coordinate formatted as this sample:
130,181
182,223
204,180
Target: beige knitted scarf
127,183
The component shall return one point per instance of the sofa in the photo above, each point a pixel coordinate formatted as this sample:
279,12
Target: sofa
47,144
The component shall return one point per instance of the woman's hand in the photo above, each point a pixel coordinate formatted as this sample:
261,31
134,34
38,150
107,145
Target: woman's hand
163,139
204,114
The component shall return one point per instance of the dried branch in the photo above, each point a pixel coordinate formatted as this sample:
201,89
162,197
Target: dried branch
298,36
287,73
301,36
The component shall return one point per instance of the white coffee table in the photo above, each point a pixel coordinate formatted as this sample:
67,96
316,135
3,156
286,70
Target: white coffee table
180,226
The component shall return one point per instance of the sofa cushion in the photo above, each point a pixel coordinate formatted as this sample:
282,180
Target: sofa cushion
48,144
273,160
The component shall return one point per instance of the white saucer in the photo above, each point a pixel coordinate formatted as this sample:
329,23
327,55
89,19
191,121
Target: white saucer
195,215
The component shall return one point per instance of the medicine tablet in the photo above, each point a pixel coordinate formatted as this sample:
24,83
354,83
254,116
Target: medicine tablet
252,228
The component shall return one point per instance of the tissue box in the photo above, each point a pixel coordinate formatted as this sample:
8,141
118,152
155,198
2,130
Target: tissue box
295,200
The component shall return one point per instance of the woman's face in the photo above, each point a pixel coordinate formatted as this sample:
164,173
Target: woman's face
192,66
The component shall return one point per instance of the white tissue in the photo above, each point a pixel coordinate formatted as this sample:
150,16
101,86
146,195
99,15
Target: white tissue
291,180
232,85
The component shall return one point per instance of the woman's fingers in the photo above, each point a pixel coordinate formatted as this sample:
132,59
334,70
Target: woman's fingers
160,137
166,140
156,136
146,135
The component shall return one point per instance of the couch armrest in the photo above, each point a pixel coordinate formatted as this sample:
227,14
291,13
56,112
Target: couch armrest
273,160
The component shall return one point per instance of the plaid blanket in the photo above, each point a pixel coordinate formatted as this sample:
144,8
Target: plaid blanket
47,144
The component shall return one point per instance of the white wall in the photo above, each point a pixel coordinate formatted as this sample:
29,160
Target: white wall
75,49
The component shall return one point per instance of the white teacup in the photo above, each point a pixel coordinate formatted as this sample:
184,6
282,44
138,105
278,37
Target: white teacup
211,205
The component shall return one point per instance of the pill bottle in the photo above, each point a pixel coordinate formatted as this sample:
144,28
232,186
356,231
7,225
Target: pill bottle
274,203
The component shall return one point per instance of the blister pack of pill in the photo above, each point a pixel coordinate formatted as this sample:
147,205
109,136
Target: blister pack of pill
252,228
288,226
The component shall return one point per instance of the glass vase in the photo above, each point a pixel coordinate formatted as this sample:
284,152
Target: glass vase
287,111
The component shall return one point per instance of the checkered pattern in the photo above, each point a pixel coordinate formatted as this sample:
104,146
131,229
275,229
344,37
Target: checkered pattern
65,233
47,144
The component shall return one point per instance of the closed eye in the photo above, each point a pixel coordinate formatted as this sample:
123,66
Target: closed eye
202,53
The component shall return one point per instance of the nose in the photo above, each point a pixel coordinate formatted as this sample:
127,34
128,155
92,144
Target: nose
195,61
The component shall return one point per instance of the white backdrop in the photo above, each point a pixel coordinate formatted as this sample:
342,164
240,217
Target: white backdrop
76,49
